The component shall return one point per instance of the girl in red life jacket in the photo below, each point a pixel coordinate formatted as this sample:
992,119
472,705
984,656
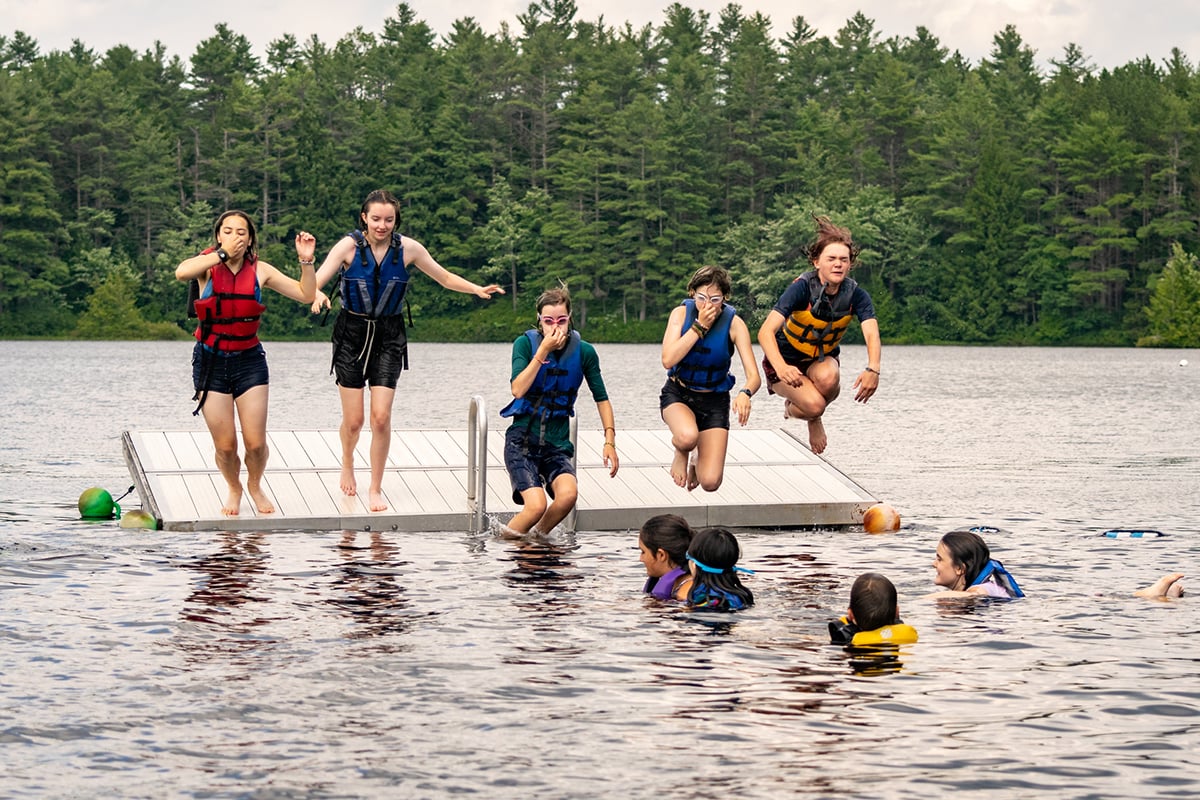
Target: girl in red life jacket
229,367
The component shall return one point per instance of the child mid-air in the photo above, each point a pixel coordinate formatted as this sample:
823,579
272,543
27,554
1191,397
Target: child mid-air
715,586
663,542
873,617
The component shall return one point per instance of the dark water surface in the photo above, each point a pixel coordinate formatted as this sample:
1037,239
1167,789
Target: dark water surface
335,664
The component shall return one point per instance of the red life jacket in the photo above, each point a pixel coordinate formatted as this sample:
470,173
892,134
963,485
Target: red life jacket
229,316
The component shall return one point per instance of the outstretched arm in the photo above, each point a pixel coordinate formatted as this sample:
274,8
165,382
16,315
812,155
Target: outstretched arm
303,290
421,259
868,380
610,437
339,254
741,341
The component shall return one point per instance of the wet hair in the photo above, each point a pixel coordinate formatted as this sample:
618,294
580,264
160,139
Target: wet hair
827,234
374,198
707,275
252,246
873,601
967,550
720,591
554,297
668,532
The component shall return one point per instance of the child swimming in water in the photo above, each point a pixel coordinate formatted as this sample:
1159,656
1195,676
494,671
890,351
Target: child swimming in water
663,542
873,616
964,566
713,555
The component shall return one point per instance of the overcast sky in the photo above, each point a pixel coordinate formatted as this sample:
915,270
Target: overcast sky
1110,32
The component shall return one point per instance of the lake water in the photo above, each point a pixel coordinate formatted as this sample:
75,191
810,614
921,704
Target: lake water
336,665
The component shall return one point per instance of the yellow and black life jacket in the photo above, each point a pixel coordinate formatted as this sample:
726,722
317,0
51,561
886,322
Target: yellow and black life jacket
815,331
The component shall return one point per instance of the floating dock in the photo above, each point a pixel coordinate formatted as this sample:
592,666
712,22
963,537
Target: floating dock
446,480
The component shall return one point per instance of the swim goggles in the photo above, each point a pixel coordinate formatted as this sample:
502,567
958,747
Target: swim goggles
715,570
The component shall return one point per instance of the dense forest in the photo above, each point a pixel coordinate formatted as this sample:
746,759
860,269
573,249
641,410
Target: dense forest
996,202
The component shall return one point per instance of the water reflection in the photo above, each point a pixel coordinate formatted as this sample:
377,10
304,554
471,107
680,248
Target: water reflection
229,577
542,566
875,660
369,585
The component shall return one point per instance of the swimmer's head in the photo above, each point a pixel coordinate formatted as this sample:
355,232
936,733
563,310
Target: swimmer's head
873,602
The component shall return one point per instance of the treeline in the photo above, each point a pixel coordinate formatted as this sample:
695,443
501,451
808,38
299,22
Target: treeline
996,202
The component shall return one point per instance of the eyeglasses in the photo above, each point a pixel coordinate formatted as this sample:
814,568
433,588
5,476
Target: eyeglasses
556,320
716,299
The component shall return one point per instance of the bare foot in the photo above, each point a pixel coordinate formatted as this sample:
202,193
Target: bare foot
692,480
348,483
787,409
376,498
679,468
261,501
1166,586
233,503
507,532
816,436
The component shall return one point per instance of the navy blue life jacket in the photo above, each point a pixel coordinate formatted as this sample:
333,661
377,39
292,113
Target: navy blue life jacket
706,366
996,572
369,288
556,386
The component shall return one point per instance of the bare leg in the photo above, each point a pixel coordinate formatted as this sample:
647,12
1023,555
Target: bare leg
252,411
381,442
708,468
566,492
1167,586
352,422
534,500
684,438
218,415
808,401
817,440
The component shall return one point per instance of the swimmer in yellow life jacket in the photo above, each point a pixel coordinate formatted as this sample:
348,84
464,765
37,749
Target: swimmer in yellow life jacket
874,616
801,336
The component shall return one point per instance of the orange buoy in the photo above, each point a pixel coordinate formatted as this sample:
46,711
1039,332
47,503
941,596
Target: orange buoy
881,518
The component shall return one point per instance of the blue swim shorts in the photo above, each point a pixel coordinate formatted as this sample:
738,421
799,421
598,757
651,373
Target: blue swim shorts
532,464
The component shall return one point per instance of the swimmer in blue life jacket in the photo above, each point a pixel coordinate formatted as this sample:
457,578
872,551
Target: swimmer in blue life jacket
873,618
713,556
964,567
663,542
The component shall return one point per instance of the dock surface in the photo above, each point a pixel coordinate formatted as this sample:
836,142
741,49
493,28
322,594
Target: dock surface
771,480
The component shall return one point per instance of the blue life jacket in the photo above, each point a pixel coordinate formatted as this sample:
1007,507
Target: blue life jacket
556,386
706,366
996,572
714,598
371,289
